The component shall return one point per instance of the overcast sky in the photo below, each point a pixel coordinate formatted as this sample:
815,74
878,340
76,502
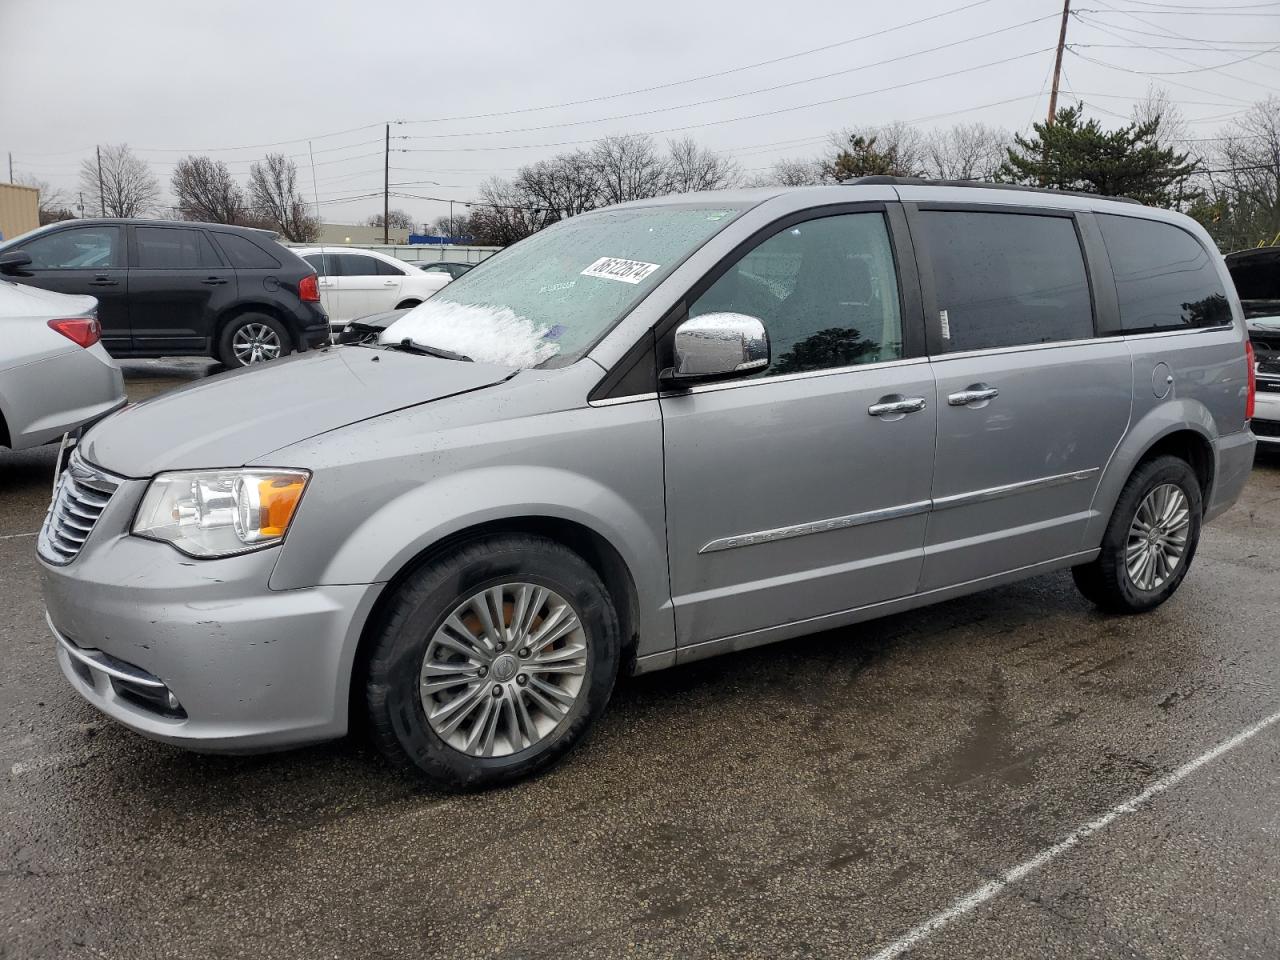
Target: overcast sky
227,77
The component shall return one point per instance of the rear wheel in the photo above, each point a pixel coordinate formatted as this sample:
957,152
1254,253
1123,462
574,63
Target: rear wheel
1150,541
253,338
492,662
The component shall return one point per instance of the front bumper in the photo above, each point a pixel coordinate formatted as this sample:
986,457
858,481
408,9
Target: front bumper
249,668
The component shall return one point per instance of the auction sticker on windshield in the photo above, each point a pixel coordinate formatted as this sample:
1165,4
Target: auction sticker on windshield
613,268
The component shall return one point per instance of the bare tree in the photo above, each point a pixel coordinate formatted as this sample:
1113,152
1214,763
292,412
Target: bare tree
273,190
1243,180
54,204
1171,125
504,216
967,151
692,167
629,168
128,187
564,186
206,191
790,172
901,143
396,219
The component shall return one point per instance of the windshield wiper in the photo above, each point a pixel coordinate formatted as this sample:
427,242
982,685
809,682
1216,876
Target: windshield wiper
408,346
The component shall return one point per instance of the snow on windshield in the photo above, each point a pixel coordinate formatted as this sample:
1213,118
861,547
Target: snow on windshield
485,334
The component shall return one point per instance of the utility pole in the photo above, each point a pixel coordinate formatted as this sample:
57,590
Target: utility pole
451,221
11,180
386,189
1057,63
102,195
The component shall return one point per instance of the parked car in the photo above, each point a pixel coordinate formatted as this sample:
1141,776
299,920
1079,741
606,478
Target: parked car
647,435
368,329
355,283
55,377
1257,278
454,270
174,288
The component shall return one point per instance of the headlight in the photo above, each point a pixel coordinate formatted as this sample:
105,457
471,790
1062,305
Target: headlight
217,513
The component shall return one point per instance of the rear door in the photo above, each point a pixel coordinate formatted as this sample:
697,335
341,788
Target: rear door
1031,402
178,284
363,287
325,265
800,492
85,259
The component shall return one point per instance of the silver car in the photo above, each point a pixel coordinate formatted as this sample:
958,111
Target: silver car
647,435
55,375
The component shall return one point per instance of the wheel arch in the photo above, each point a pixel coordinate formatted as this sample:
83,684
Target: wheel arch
408,302
595,548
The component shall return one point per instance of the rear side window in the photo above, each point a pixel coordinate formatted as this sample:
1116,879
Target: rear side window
354,265
170,248
389,269
245,254
322,263
1165,279
1005,280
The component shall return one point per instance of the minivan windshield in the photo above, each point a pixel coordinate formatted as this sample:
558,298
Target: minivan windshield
550,297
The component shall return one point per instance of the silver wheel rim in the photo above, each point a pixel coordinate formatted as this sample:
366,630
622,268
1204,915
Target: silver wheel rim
504,670
1158,537
255,343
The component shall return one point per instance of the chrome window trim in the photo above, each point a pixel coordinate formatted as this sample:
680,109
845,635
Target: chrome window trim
1220,328
789,377
1023,348
816,526
896,512
614,401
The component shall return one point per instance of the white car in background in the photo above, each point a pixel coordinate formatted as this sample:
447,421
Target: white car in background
356,283
55,375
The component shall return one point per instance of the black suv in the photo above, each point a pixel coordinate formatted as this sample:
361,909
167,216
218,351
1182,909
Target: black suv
175,288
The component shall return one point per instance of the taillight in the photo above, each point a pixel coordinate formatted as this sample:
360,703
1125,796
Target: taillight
309,289
1253,380
82,330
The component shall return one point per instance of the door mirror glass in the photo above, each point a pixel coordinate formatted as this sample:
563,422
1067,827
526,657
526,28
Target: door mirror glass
13,262
718,345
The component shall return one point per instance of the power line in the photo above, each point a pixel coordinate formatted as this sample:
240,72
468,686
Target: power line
1143,73
734,96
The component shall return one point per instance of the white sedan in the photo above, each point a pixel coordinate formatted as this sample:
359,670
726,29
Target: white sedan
356,283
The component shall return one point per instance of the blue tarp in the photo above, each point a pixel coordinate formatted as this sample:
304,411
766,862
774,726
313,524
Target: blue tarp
431,238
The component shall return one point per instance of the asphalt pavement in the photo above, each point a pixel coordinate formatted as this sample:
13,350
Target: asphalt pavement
948,783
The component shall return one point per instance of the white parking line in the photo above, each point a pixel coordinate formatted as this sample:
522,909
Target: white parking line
15,536
974,899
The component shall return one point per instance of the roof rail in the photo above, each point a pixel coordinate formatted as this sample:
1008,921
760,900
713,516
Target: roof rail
980,184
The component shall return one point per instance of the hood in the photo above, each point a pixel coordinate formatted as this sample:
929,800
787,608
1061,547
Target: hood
20,300
1263,324
242,415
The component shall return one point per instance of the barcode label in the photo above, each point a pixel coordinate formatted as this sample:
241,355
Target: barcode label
613,268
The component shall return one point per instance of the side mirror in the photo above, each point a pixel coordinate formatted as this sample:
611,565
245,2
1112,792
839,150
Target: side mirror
14,261
716,346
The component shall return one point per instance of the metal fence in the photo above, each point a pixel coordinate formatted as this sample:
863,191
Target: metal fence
415,253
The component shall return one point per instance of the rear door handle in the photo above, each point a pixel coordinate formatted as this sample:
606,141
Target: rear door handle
213,281
977,393
103,282
894,404
388,283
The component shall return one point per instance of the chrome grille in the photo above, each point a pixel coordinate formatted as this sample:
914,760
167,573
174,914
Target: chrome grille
82,493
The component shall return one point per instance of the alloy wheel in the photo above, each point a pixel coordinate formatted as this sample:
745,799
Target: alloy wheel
255,343
1157,537
504,669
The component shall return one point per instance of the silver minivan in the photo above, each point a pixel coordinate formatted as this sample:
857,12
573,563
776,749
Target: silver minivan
646,435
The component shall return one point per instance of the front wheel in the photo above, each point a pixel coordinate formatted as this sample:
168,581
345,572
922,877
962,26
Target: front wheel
492,662
1150,541
252,338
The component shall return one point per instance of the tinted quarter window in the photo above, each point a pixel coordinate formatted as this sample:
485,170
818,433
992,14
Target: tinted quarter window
245,253
80,248
1165,279
826,290
1004,280
165,248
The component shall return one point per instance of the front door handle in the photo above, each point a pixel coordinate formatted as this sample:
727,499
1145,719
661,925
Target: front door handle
103,282
213,281
976,393
895,404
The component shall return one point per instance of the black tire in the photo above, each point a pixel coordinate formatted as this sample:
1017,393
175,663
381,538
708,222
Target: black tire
227,354
1106,581
397,717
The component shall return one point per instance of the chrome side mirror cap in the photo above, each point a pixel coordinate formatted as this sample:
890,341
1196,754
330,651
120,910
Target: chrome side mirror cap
716,346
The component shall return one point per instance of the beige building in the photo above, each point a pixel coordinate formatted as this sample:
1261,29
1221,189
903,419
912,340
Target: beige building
19,209
360,234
